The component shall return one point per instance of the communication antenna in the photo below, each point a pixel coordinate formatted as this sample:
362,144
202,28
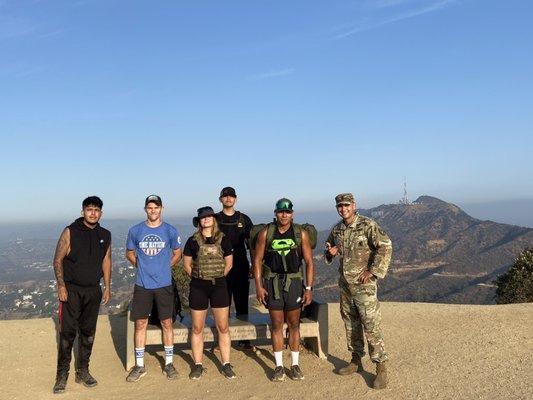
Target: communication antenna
405,199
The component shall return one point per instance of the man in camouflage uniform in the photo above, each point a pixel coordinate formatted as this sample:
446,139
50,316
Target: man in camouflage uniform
365,252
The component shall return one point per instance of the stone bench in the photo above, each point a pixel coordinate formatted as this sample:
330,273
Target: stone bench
313,331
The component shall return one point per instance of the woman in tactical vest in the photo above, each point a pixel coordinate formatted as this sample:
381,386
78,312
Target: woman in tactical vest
207,259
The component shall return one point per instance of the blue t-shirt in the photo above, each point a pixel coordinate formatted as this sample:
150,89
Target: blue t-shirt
153,248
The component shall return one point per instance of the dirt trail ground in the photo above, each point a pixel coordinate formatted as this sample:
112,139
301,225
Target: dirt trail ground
438,351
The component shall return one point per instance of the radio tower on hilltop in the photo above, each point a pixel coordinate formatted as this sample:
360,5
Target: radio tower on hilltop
405,199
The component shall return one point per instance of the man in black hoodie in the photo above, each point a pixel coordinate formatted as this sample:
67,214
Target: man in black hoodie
82,258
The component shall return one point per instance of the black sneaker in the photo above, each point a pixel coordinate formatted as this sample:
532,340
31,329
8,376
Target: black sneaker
227,371
196,372
83,376
136,373
61,383
170,371
296,373
278,375
244,345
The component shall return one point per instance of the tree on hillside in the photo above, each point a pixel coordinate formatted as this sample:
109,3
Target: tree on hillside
516,286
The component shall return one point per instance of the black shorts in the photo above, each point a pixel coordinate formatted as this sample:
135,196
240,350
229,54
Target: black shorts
143,300
203,293
288,301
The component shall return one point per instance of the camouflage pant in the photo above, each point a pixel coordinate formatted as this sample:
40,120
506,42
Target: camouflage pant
360,312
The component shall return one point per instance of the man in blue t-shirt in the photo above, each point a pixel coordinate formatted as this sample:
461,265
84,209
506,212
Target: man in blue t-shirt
153,246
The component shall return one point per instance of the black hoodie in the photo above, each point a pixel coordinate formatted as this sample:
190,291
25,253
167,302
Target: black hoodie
88,247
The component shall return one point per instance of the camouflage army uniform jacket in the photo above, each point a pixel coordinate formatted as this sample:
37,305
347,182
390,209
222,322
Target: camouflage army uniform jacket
362,245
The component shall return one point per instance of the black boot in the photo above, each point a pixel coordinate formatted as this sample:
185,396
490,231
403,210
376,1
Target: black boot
83,376
61,382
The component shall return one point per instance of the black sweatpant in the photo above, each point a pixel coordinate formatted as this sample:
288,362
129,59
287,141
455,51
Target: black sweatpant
239,287
77,315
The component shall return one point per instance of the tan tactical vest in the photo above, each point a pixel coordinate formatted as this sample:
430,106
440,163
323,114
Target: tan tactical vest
210,261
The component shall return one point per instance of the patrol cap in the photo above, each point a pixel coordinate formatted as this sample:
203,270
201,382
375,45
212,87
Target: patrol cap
283,205
153,198
228,191
344,198
202,213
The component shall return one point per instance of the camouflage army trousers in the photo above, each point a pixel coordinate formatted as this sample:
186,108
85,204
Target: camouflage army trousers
362,317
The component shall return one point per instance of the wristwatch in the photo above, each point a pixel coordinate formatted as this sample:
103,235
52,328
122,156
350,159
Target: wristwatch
309,288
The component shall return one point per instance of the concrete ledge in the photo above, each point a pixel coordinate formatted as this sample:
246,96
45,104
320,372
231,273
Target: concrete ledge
313,330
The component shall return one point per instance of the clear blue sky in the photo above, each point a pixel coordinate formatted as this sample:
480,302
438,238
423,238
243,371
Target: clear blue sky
289,98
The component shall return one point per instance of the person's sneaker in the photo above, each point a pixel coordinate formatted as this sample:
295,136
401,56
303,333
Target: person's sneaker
296,373
61,383
227,371
170,371
136,373
244,345
278,375
83,376
196,372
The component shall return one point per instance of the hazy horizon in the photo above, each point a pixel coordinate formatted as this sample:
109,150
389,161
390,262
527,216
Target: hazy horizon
514,212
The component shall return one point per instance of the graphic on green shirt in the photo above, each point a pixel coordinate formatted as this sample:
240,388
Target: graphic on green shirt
283,246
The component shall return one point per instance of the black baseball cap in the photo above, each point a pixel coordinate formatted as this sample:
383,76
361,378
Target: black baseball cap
283,204
153,198
228,191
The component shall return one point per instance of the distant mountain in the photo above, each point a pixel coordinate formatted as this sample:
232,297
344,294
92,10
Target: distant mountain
515,212
441,254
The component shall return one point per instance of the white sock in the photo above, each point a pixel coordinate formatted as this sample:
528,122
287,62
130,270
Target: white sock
278,355
139,356
295,356
169,354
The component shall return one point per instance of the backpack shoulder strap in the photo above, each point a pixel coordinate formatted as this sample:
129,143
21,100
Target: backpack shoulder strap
297,235
271,228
